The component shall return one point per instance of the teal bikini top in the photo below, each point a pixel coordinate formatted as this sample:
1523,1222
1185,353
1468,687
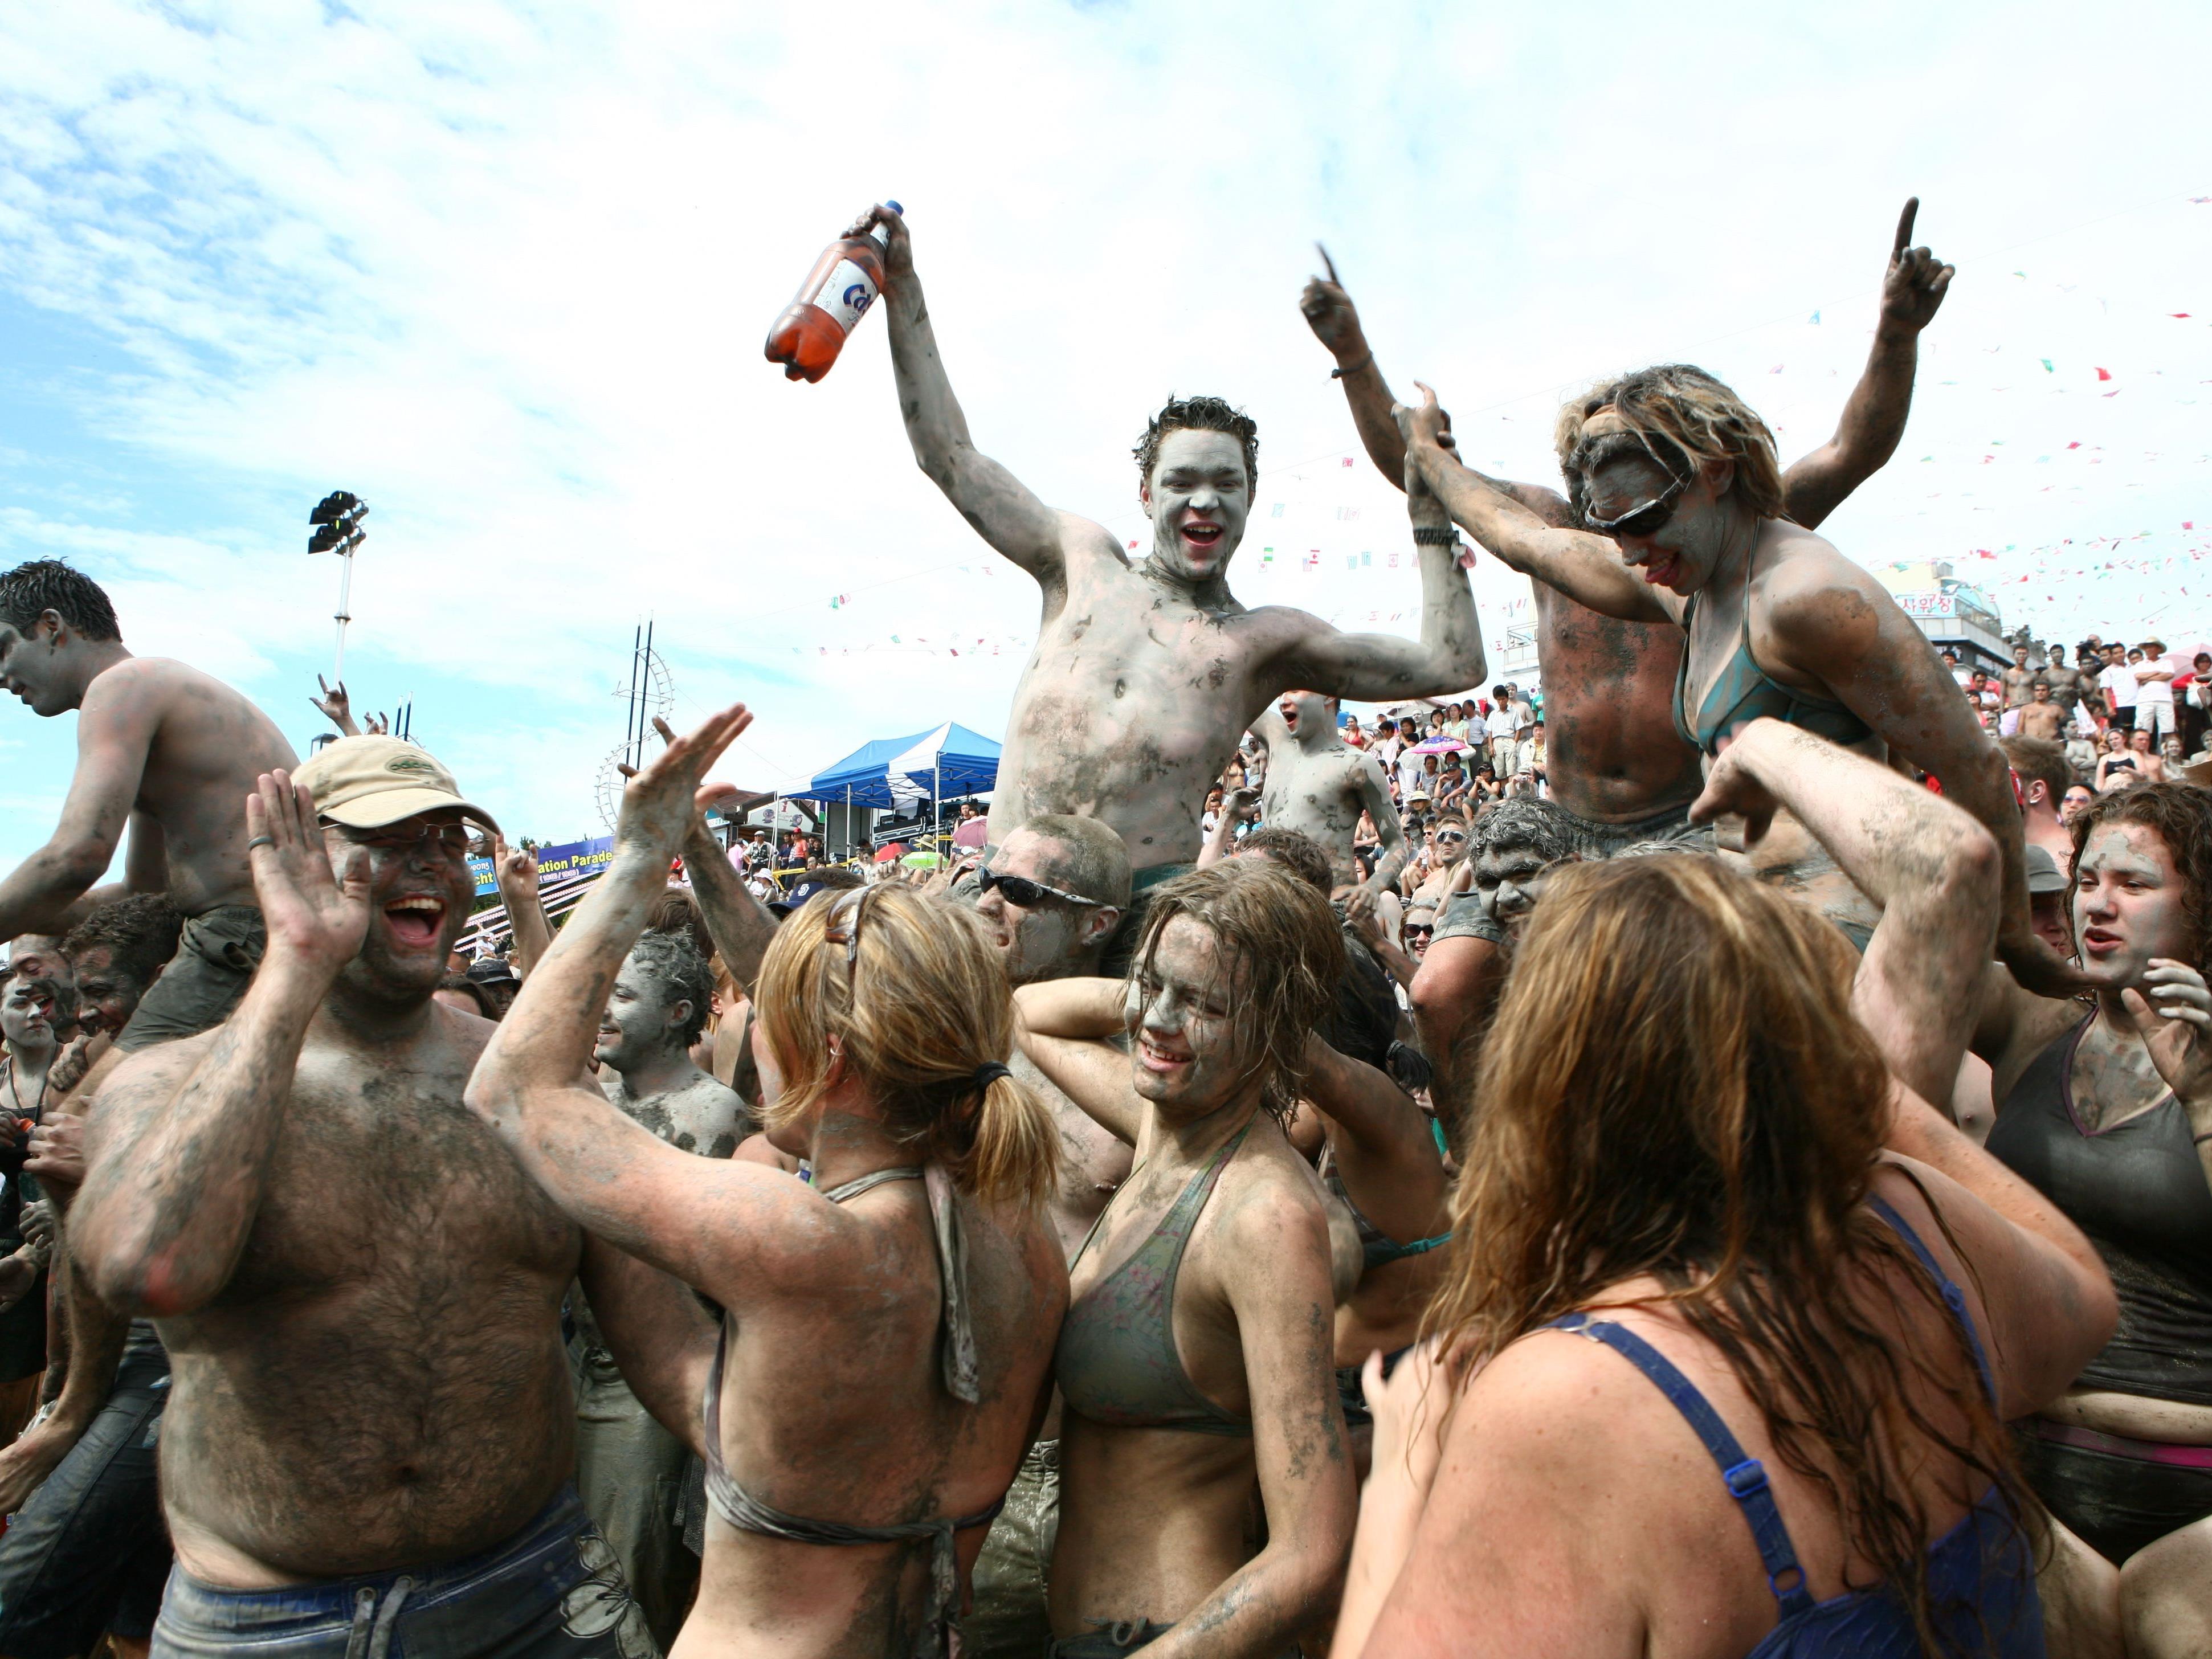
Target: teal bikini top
1743,693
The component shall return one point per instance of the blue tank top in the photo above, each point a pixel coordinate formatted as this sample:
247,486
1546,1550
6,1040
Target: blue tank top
1981,1574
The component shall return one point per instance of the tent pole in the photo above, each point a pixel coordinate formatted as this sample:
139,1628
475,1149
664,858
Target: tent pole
848,820
936,811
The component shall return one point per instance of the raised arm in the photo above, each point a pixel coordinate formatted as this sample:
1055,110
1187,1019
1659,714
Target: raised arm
178,1152
1235,806
1874,415
1385,1154
1586,568
515,870
738,923
997,504
1063,1025
1378,667
1336,323
1932,869
610,1175
336,707
114,729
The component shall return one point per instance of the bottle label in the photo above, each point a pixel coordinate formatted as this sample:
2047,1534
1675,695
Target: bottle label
847,295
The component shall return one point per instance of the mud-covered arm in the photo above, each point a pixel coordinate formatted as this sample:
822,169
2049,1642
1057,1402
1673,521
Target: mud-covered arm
1279,1288
1874,416
1931,868
1336,323
1390,833
96,1336
113,731
737,1230
1385,1154
738,923
1837,627
1062,1025
1584,567
178,1152
997,505
515,871
1235,806
1448,655
662,1340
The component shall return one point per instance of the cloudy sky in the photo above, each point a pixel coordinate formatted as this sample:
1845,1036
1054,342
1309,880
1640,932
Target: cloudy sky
504,271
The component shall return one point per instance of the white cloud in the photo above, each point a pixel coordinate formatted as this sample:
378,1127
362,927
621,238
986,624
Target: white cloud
504,272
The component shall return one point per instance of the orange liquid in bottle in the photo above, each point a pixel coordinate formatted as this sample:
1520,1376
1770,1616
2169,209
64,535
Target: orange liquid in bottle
836,293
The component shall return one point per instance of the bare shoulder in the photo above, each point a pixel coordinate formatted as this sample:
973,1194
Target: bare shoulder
1269,1199
1088,541
147,1076
1566,1406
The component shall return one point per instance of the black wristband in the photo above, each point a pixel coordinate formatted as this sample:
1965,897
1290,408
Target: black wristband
1430,536
1338,374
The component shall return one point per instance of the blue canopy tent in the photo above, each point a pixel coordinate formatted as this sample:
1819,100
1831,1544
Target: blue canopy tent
892,772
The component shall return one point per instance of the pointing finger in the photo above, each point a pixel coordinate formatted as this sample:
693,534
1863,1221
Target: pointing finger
1905,226
1328,264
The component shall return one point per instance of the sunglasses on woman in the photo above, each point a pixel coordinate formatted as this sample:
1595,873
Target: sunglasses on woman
1020,889
1648,519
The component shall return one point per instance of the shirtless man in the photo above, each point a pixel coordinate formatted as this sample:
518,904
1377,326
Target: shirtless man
1054,894
1613,757
629,1469
2019,680
162,747
1146,674
1448,850
1319,785
359,1288
2039,717
2041,777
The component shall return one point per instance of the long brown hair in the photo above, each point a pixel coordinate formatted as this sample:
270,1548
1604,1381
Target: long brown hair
924,1005
1674,1086
1279,936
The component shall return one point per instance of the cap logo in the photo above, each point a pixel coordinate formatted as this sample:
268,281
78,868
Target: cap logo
407,763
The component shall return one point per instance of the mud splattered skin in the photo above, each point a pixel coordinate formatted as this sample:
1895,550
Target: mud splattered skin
1611,751
1321,787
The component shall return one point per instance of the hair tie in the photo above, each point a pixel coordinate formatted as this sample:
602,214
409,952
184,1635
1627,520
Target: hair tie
987,1073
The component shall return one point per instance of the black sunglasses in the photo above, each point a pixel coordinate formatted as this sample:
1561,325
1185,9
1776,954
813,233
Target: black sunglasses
1020,889
1648,519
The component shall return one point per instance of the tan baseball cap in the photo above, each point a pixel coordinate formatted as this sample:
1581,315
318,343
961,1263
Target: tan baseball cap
367,782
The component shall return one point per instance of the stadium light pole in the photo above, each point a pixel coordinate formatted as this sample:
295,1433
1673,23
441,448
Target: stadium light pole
337,529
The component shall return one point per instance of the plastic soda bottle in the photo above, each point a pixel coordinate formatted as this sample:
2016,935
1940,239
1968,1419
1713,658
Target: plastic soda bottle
829,303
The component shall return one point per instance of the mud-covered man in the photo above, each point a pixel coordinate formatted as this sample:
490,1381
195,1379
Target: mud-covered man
1147,672
162,748
369,1440
1053,896
1319,785
629,1469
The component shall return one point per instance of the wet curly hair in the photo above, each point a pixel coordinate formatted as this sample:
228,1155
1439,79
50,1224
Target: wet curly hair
671,958
1199,415
1677,417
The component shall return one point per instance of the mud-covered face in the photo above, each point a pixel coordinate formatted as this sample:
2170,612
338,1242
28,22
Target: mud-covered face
420,888
1683,553
643,1020
2127,904
27,1014
1306,713
31,667
1191,1054
1509,878
1043,941
107,997
1198,497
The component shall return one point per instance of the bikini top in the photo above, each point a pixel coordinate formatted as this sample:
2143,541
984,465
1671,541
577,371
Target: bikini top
1117,1362
1744,693
1981,1574
957,1361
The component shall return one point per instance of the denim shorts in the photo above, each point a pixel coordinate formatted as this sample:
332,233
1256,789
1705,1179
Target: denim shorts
553,1590
89,1551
